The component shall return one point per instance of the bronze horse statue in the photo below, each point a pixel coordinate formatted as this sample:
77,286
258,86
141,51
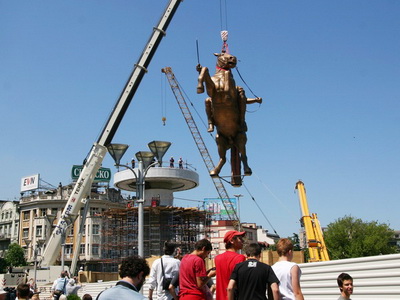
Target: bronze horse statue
226,108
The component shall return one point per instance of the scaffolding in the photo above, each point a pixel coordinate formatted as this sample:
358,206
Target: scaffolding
184,226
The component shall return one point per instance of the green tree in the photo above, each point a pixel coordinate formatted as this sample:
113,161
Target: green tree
350,237
15,256
3,265
295,241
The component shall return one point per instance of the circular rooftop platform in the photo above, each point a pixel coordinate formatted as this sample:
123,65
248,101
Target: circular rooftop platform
172,179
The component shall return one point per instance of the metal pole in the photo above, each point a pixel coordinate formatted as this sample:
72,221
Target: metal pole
63,248
35,268
140,189
238,203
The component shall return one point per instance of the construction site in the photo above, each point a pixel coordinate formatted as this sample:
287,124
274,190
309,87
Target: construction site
184,226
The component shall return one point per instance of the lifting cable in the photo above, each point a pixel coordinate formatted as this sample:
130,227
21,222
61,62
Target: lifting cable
245,83
224,37
248,191
163,87
223,16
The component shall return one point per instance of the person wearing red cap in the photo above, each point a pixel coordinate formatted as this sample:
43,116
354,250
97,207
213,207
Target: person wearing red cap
226,262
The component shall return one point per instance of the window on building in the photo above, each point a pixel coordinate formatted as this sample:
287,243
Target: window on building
39,230
82,249
25,233
68,249
26,215
43,212
95,249
54,211
94,211
7,215
96,229
71,230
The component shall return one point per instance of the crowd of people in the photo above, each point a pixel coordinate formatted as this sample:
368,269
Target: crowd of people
171,162
238,276
64,286
24,291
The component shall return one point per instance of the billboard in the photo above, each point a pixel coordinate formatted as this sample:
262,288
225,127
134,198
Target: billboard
221,207
102,175
30,183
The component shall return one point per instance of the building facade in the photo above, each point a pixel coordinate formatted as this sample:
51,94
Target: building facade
40,211
218,229
9,225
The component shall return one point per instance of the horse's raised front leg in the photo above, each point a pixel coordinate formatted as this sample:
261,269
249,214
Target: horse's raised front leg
202,71
204,77
222,148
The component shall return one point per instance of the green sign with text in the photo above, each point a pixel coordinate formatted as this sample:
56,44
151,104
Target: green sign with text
103,174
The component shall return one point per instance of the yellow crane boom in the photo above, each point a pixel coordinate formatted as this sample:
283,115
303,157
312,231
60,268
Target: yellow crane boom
315,239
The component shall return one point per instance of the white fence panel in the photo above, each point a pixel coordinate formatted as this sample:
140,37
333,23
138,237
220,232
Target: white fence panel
375,277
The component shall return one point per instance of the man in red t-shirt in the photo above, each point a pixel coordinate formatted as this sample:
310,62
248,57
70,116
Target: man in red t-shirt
226,262
192,273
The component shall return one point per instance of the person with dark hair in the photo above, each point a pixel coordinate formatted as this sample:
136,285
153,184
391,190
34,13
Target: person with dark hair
345,283
133,272
193,275
87,297
226,262
251,279
23,291
287,272
180,163
162,272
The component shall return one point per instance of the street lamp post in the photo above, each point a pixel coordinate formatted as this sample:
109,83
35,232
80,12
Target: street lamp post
63,232
35,248
145,158
238,198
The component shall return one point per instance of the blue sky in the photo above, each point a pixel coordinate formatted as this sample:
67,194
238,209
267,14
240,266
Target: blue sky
328,72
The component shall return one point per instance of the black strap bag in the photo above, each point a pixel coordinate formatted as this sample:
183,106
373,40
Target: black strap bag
166,281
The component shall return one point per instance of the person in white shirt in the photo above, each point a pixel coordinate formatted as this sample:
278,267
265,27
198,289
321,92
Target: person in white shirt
72,288
287,272
162,271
